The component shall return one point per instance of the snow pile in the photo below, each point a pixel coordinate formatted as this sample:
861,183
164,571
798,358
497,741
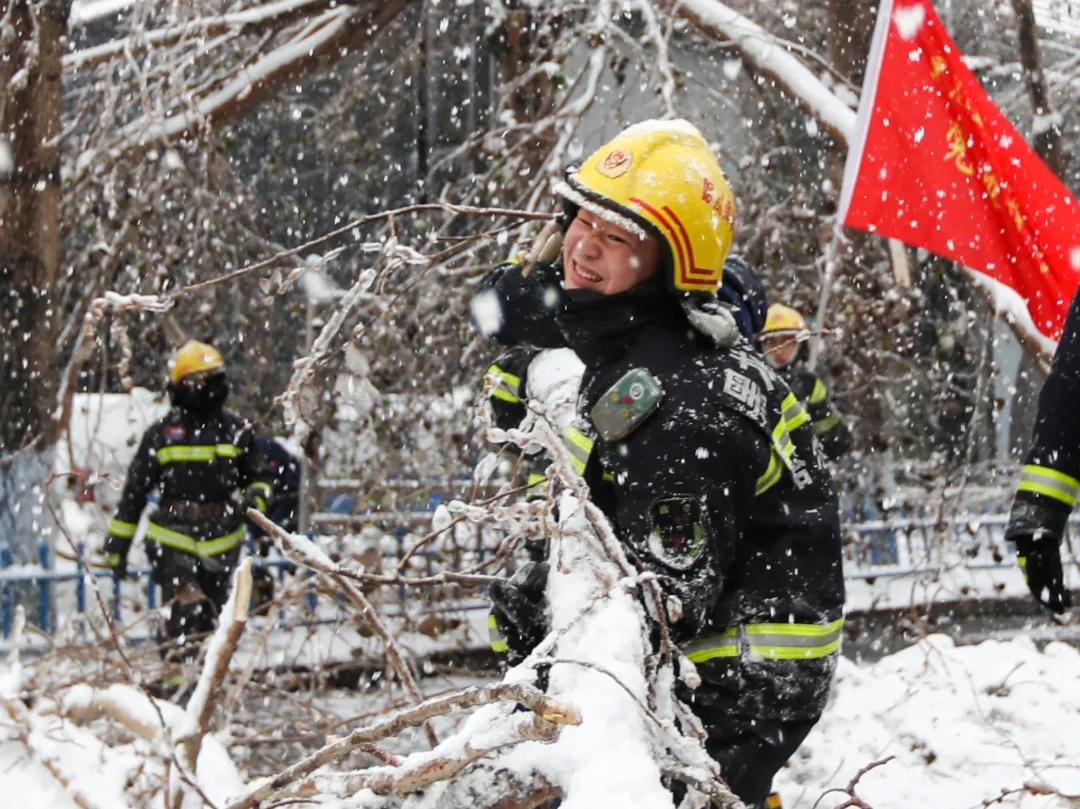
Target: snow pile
964,723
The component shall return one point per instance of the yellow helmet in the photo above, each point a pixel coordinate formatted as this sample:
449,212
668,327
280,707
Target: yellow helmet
784,321
661,179
194,357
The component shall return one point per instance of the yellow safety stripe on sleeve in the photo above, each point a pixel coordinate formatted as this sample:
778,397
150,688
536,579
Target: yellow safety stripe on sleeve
509,389
535,479
794,641
782,443
726,644
822,426
795,414
205,547
770,641
197,454
819,392
262,487
580,446
114,559
498,642
1050,483
124,530
771,476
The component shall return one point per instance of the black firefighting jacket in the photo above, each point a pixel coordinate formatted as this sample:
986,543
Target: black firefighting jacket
1050,479
198,462
721,490
828,425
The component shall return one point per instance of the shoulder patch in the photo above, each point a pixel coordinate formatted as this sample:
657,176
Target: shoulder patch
174,432
626,404
677,533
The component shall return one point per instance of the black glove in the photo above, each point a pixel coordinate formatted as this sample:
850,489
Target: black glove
118,565
1040,560
518,609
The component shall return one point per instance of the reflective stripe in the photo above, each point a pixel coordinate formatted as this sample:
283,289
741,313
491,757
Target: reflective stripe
196,454
536,479
819,392
795,414
770,641
262,487
114,559
204,547
1051,483
580,446
498,642
124,530
794,641
726,644
822,426
771,476
782,442
509,389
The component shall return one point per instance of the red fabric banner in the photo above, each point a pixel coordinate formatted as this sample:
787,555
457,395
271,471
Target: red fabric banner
936,164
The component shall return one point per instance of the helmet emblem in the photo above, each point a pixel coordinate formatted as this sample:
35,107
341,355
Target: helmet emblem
616,163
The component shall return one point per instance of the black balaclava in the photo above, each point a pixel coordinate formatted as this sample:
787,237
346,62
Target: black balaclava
200,393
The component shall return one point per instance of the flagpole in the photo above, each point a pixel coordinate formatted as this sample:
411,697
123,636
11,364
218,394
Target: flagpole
831,252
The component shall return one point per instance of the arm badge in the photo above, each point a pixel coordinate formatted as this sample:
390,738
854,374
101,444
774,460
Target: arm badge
677,532
626,404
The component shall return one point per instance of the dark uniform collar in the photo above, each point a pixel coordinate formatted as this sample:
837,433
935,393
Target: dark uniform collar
599,328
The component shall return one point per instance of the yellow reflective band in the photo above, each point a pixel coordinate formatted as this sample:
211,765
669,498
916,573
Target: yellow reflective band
197,454
771,476
782,441
794,641
498,643
261,487
509,389
580,446
712,646
1050,483
819,392
114,559
205,547
822,426
124,530
794,413
609,477
535,479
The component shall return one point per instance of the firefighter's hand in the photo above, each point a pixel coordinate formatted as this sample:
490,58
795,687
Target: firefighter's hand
253,498
518,608
118,565
1040,560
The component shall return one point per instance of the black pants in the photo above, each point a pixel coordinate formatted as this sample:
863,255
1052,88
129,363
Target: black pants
188,623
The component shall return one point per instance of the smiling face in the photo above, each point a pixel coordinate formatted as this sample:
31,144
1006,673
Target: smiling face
604,257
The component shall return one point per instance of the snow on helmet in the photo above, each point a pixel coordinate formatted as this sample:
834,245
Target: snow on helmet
783,321
194,357
661,179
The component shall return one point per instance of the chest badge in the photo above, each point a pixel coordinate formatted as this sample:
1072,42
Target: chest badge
626,404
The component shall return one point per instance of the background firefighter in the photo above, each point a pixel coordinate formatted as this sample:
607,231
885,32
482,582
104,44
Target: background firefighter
1049,485
199,457
699,454
784,344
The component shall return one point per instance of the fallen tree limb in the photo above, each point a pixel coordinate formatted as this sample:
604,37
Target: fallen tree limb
546,708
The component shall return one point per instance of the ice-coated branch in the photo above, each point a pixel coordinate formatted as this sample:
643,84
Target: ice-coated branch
219,652
543,706
420,771
303,550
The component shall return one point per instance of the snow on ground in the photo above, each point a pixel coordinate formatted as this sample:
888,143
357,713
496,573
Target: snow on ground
963,724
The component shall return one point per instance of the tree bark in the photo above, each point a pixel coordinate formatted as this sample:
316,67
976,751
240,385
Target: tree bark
30,244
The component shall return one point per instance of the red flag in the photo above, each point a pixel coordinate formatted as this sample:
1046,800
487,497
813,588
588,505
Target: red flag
935,164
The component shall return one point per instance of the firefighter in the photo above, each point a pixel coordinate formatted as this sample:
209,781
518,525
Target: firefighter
784,343
208,469
1050,479
703,460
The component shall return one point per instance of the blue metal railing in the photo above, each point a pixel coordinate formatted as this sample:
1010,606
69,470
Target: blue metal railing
895,545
